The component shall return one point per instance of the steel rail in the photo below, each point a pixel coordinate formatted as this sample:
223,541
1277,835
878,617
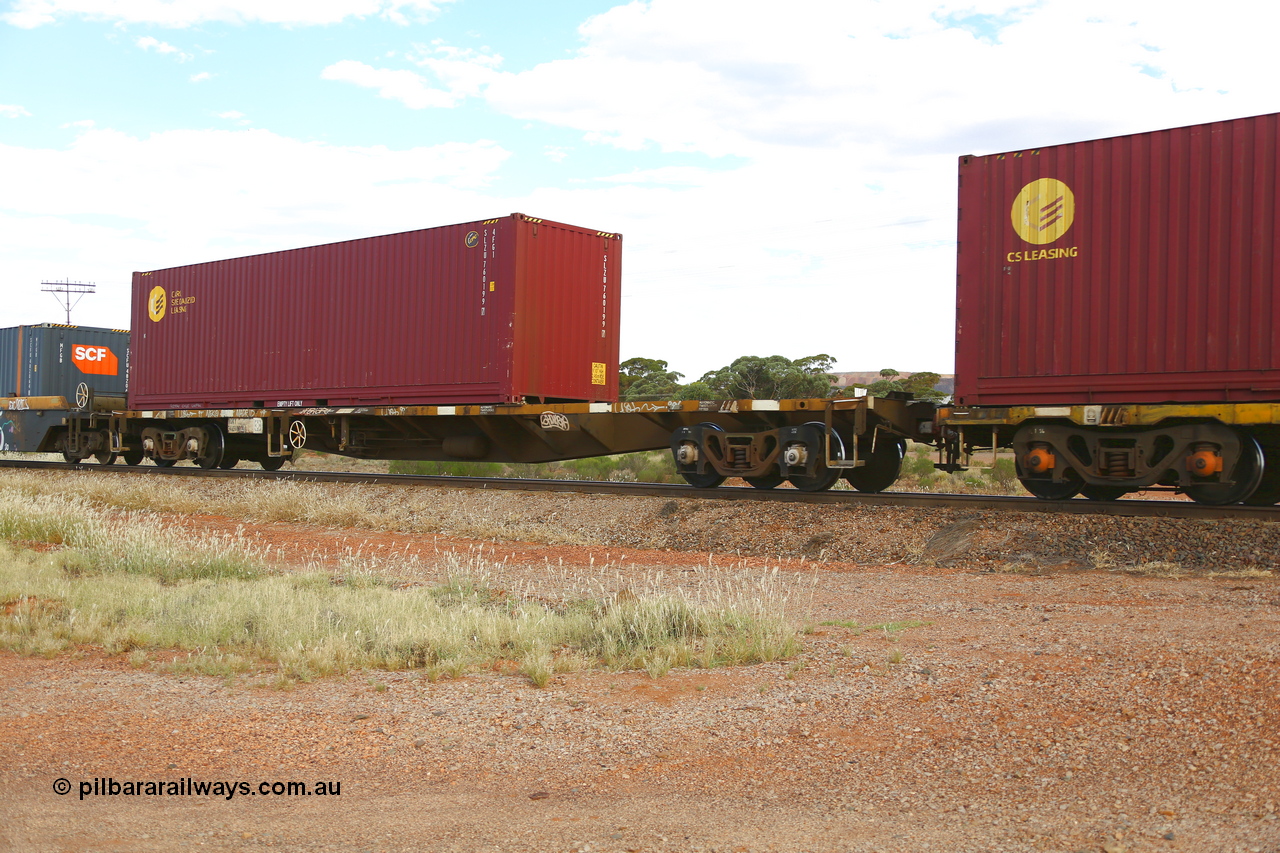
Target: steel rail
923,500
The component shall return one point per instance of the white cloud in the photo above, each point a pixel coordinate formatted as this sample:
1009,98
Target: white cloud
185,13
731,77
149,43
207,174
734,77
407,87
201,77
462,71
235,116
13,111
185,196
831,205
839,130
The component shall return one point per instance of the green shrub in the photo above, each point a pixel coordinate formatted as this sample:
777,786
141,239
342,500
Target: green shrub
1004,472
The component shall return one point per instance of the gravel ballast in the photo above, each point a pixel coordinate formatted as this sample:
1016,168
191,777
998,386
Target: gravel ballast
968,682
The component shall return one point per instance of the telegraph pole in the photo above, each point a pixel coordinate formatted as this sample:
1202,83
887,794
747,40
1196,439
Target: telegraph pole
64,290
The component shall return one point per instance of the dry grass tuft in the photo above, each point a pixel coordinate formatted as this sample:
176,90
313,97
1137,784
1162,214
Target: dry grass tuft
366,508
1158,569
125,584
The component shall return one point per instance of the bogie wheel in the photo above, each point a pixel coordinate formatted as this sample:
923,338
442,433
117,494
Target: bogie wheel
61,447
104,457
229,460
824,479
1047,490
214,446
1248,476
884,464
766,481
164,463
708,480
133,456
271,463
1268,491
1103,493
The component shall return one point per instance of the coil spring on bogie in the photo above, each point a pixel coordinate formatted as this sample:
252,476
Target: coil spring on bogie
1115,463
740,457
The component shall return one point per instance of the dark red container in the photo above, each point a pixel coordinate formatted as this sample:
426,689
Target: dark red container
1136,269
500,311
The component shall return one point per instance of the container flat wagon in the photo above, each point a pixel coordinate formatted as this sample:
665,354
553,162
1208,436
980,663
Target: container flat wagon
810,443
494,340
1117,307
49,369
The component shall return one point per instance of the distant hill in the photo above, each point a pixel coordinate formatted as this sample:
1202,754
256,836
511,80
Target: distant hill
946,384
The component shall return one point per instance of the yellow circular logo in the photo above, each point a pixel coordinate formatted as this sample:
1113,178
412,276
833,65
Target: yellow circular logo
1043,211
156,302
472,239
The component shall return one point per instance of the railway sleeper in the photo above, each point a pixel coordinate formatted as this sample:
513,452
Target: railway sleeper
1211,462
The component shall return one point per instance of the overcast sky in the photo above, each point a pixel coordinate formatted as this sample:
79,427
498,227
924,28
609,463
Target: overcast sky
783,174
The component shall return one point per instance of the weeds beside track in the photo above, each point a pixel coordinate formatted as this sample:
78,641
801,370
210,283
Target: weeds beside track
1079,506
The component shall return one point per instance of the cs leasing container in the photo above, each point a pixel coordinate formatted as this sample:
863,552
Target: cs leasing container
1135,269
505,310
53,360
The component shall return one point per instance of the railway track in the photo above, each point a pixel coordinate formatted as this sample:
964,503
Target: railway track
1079,506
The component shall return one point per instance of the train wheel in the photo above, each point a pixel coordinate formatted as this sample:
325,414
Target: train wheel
1047,490
214,446
824,479
164,463
1103,493
61,447
1268,491
708,480
133,457
271,463
766,481
884,464
105,457
229,460
1247,475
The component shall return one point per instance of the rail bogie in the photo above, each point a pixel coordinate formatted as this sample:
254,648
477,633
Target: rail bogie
1215,453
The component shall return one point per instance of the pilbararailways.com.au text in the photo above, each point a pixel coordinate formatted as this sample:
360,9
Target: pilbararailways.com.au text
188,787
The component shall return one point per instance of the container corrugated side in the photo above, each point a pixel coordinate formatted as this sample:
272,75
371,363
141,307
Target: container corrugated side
420,317
50,360
566,313
1133,269
10,364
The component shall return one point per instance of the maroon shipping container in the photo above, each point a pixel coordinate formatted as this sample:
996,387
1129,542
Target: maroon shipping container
498,311
1136,269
